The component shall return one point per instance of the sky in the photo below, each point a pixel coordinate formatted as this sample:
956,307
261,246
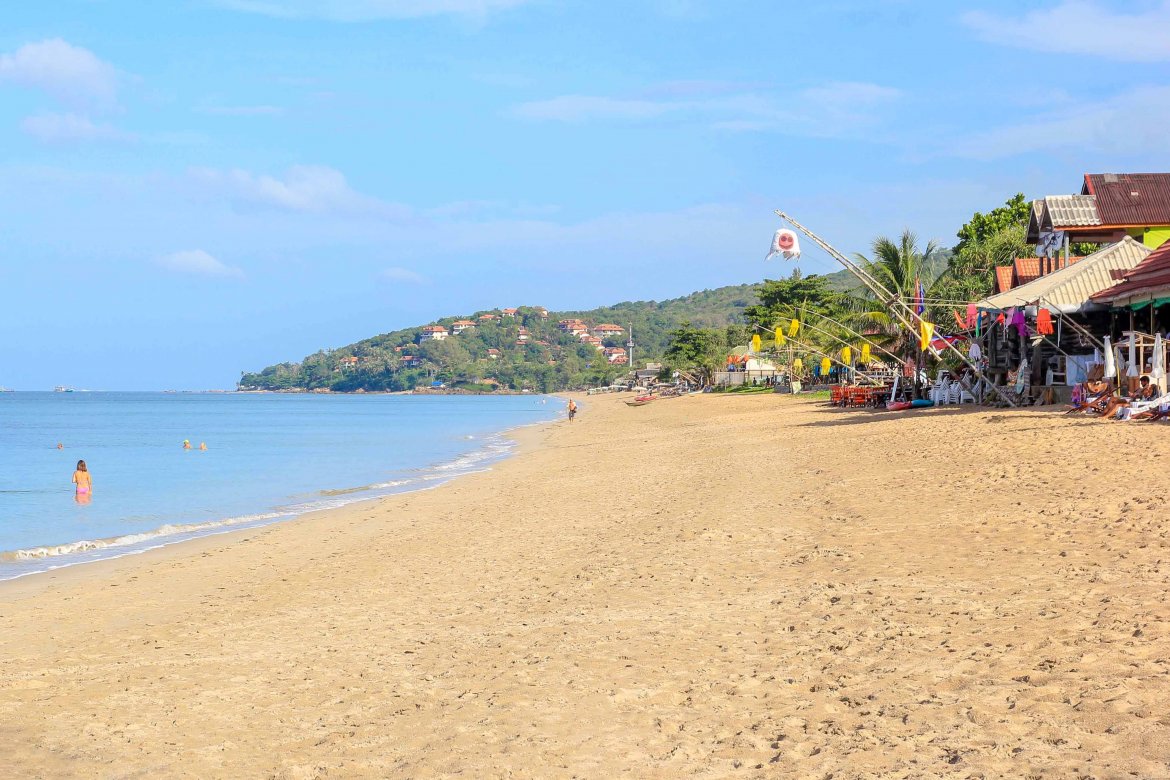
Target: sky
197,188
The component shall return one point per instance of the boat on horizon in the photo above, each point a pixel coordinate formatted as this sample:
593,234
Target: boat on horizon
62,389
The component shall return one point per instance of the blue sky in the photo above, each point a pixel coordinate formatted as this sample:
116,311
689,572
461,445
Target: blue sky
195,188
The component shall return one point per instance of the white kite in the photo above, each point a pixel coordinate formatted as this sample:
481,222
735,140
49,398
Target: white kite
785,243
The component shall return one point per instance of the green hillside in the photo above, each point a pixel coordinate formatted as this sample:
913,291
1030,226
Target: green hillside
524,351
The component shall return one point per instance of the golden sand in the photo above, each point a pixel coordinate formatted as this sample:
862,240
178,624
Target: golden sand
714,586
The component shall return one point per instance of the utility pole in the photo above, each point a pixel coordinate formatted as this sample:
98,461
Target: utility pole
630,353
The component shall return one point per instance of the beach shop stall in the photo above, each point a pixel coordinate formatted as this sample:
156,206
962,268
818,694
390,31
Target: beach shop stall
1141,299
1041,337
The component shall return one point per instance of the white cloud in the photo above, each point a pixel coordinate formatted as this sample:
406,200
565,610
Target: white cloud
836,109
198,262
398,274
1082,28
303,188
241,110
369,10
56,128
1131,122
69,73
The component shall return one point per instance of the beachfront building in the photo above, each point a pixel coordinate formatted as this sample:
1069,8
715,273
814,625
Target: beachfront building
1142,296
1109,207
1064,309
607,330
1028,269
432,333
458,326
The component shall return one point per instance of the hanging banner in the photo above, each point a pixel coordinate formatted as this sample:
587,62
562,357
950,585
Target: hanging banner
794,328
925,334
826,366
756,344
780,340
847,356
798,365
865,353
786,244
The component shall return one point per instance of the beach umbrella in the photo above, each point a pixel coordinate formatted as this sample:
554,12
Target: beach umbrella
1110,363
1132,369
1158,367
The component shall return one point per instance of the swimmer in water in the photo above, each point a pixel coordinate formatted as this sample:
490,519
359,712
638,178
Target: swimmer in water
203,446
82,479
60,446
186,444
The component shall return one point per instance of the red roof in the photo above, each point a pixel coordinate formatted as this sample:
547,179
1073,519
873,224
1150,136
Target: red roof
1027,269
1151,274
434,329
1140,199
1003,278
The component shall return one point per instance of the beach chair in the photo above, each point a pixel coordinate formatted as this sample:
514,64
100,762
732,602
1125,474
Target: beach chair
1141,410
1093,402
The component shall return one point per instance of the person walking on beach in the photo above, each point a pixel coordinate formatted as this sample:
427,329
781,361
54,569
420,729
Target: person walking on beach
82,480
572,409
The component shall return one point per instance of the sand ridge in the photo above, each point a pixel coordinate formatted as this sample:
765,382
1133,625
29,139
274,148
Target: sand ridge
712,586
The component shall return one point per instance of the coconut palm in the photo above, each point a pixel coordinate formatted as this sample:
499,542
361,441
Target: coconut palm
899,267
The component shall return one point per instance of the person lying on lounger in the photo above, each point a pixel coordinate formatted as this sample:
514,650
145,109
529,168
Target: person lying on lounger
1147,391
1096,394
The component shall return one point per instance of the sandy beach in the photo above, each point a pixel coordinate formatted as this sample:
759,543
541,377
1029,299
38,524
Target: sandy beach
716,586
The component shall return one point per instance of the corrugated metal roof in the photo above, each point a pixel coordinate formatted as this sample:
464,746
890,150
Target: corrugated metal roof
1072,211
1070,289
1147,281
1130,198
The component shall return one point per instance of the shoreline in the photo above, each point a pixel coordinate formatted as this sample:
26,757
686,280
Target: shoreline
698,587
496,448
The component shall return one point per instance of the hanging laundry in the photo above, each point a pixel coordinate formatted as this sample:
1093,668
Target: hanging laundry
972,315
1020,323
1044,323
959,320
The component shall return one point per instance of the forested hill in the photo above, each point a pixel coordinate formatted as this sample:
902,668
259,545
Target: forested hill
512,349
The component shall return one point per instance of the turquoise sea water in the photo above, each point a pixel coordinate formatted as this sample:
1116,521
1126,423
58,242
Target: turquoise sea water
269,457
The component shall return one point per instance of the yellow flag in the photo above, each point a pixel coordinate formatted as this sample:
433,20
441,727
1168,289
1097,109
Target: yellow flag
798,365
826,366
794,328
756,343
925,333
847,356
865,353
780,340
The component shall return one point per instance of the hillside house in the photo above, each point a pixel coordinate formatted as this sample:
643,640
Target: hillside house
488,317
432,333
348,362
509,313
574,327
493,354
592,341
522,335
409,361
607,330
541,312
458,326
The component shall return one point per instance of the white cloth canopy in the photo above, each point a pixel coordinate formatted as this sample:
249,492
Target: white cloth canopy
1110,363
1132,368
1158,367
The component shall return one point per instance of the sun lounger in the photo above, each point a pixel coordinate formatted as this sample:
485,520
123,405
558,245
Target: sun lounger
1095,403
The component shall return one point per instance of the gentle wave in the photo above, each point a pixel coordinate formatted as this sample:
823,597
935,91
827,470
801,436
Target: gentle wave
495,448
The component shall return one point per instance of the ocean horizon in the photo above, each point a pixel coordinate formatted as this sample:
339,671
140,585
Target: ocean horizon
269,457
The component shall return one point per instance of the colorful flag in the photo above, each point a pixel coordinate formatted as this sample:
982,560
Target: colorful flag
826,366
794,328
798,365
780,340
847,356
919,297
865,353
925,334
756,343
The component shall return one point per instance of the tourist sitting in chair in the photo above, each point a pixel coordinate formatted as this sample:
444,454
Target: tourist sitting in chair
1147,391
1094,397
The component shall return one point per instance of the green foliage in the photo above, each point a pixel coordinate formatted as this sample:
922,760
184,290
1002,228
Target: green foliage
697,351
550,359
1013,213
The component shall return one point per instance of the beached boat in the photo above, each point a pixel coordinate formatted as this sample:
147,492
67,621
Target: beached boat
642,400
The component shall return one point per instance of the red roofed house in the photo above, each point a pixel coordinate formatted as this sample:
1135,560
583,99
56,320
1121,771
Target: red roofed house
1109,207
458,326
522,336
620,360
509,312
410,361
488,317
432,333
576,327
585,338
606,330
1146,283
1028,269
493,354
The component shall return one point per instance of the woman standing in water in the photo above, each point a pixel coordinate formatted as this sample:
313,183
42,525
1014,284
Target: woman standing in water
83,481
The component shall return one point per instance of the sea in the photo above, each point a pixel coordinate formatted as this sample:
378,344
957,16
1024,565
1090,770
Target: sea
269,458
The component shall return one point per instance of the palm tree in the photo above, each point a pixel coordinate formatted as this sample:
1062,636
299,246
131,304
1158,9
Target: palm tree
899,267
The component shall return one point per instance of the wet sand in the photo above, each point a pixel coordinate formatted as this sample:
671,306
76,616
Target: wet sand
716,586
